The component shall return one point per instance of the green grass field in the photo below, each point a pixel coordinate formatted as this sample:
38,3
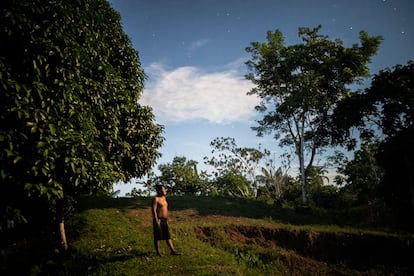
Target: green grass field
216,236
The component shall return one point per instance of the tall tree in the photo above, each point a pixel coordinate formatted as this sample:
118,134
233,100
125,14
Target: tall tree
387,106
299,86
386,110
70,121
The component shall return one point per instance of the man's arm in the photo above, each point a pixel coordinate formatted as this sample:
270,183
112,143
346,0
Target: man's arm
154,211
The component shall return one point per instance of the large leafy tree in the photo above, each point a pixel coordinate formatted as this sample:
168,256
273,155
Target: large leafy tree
386,110
299,86
70,121
387,106
181,176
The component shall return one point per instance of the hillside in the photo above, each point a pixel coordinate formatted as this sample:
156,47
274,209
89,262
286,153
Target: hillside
217,236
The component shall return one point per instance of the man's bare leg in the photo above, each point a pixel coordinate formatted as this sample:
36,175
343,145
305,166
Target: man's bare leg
171,246
157,248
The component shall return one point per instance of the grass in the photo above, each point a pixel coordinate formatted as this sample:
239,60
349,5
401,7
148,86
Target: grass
118,241
216,236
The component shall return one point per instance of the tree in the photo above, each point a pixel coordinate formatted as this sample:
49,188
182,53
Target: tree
136,193
181,176
299,86
235,160
396,157
70,121
387,106
316,177
232,183
362,175
385,111
148,182
274,181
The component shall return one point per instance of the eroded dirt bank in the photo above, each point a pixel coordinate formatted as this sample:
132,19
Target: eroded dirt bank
352,249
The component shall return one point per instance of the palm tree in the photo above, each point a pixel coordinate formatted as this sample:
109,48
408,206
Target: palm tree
274,180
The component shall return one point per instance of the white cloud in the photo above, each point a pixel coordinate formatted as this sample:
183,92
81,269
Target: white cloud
188,93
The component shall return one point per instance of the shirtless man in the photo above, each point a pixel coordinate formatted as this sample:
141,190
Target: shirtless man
160,220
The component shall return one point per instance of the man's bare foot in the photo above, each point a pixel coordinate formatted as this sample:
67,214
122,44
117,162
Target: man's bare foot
174,253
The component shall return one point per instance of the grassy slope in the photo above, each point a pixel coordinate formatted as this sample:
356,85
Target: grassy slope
215,236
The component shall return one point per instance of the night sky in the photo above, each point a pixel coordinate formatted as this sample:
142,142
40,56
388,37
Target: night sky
193,53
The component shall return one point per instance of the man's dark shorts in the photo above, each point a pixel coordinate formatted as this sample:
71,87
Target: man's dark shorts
164,234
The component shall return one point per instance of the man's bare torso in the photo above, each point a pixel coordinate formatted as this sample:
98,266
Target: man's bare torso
161,207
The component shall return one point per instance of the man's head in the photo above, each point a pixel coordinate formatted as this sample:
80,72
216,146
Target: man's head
160,189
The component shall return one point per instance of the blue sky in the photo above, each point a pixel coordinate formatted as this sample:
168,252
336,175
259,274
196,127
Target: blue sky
193,53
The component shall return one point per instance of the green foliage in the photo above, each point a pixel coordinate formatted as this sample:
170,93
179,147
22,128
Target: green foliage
327,197
136,193
233,184
384,112
235,173
274,183
249,257
292,193
216,235
228,157
180,177
362,175
300,85
69,117
392,94
235,168
386,106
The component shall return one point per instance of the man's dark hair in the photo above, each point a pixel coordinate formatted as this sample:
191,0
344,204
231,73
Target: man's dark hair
158,188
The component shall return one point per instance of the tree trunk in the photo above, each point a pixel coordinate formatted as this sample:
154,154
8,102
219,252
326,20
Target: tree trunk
61,224
63,241
303,181
301,157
